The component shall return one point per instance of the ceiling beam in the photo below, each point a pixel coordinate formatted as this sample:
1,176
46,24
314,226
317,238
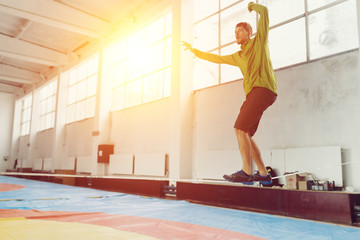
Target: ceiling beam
6,88
27,58
22,29
14,48
57,15
16,80
19,73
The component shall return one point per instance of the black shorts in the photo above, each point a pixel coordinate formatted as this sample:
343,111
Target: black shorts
256,102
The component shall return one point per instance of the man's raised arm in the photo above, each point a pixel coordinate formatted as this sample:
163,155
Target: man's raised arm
263,26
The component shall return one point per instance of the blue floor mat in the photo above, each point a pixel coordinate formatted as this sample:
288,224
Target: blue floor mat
45,196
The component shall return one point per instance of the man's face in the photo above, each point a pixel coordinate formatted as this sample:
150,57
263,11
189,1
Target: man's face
241,35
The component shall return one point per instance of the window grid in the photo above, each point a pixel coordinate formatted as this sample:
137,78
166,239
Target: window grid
48,106
307,13
152,70
82,81
25,115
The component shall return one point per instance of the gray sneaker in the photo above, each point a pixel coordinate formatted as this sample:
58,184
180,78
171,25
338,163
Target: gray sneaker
240,177
264,180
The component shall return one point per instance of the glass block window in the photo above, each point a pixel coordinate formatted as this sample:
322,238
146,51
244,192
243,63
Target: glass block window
141,65
26,107
300,31
48,105
82,83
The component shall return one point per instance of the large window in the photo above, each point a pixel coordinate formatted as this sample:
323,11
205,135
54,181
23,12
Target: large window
300,31
141,65
81,99
26,106
48,105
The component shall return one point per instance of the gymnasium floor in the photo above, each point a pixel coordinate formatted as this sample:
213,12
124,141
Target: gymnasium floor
40,210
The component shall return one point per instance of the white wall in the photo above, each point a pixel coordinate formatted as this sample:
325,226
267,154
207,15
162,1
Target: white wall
7,102
44,143
318,105
142,129
78,138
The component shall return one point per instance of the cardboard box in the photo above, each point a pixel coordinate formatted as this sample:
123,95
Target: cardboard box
292,181
302,185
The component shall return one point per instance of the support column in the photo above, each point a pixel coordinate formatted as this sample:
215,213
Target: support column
181,155
101,127
59,153
34,126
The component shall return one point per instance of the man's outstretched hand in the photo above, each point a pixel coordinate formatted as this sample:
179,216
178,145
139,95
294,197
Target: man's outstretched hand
187,46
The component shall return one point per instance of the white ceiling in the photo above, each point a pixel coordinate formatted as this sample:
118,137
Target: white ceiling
38,36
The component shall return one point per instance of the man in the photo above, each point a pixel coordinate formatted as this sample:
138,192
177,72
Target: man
260,89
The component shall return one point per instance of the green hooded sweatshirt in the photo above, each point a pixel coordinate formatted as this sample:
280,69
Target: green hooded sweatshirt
254,57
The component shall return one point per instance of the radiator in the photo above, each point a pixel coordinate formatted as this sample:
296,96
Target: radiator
121,164
38,164
323,163
150,164
68,163
47,164
84,164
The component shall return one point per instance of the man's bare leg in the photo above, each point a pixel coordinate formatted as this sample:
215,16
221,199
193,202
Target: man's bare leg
244,142
249,149
256,156
263,177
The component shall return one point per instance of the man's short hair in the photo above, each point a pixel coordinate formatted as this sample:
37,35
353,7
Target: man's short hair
246,26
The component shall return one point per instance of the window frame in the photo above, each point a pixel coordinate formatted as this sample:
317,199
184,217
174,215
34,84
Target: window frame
307,13
50,97
121,90
26,112
79,106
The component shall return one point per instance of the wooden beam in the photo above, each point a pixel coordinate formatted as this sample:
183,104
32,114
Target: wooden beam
14,48
16,72
7,88
27,58
329,206
22,29
57,15
16,80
